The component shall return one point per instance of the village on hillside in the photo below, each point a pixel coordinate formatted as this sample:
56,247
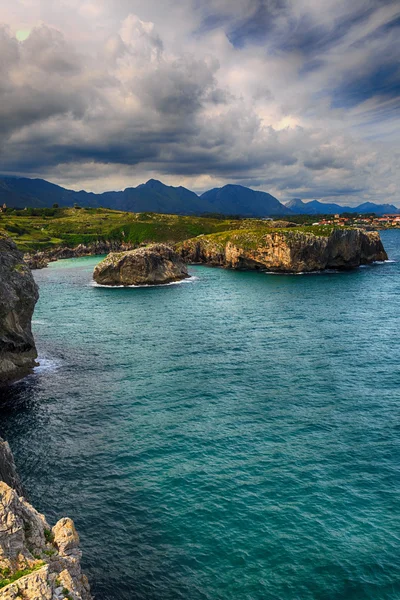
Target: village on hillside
367,221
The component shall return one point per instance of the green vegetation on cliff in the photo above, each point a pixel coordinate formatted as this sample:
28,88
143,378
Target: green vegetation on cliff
42,229
250,238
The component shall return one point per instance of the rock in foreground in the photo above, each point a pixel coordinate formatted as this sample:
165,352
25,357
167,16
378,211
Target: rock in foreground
153,265
18,297
286,250
37,562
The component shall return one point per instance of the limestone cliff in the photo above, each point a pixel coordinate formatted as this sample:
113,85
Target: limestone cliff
153,265
286,250
37,562
18,297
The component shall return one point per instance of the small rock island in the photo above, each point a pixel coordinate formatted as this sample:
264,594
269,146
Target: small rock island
156,264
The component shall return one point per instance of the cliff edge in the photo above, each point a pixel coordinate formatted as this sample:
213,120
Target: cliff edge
37,562
292,250
18,297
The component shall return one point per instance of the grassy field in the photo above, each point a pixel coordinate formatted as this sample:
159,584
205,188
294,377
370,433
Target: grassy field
42,229
252,238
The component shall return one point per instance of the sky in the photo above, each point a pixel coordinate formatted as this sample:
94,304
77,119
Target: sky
300,98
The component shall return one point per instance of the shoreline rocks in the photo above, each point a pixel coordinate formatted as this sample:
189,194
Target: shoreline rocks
19,294
285,251
156,264
36,561
40,260
230,249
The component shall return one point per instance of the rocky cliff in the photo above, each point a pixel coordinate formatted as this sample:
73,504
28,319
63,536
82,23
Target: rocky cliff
18,297
8,471
37,562
40,260
153,265
286,250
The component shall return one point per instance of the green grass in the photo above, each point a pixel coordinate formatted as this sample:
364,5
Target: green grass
48,536
71,227
252,238
66,593
6,578
42,229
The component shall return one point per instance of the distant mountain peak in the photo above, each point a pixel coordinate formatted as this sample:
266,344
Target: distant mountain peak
155,196
315,207
296,202
153,183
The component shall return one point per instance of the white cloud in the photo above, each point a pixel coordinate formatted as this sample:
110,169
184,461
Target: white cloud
276,95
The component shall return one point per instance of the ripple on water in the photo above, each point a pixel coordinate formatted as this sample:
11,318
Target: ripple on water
236,438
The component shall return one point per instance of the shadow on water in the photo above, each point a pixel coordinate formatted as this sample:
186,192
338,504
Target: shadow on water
19,398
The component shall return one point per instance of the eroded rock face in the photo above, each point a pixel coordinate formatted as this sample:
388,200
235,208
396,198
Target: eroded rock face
8,471
37,562
18,297
153,265
289,251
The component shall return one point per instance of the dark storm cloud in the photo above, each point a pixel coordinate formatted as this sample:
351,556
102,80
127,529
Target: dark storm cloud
277,94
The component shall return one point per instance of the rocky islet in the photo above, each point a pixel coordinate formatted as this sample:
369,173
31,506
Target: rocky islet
156,264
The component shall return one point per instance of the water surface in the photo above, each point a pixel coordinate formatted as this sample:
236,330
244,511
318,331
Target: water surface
232,437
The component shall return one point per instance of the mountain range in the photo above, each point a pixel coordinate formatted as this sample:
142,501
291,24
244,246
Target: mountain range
315,207
155,196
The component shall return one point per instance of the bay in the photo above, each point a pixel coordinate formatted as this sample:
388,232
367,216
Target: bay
235,436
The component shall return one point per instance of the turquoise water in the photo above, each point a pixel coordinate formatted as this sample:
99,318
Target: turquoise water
236,436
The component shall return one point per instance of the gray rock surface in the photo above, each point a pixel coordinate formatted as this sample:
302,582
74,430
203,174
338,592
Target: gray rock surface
8,471
18,297
287,250
153,265
37,562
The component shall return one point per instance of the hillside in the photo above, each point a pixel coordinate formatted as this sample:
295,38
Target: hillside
43,229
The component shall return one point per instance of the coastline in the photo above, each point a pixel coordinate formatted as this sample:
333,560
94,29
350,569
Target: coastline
229,254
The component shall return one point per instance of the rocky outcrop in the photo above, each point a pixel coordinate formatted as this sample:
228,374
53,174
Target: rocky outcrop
153,265
287,251
36,562
8,471
281,224
40,260
18,297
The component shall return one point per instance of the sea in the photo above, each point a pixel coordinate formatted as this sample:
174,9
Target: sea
235,436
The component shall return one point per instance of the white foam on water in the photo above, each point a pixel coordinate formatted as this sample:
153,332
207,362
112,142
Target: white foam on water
38,322
322,272
46,364
100,285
